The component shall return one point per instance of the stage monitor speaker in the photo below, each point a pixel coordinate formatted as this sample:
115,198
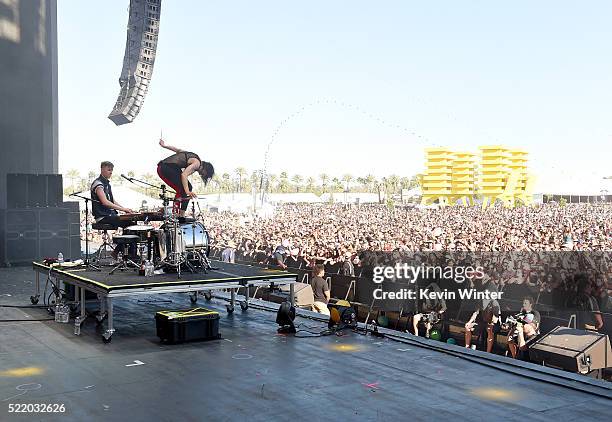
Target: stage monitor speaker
574,350
304,296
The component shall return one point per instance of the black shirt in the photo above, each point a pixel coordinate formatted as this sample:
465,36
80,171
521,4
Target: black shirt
97,209
180,159
587,307
292,262
348,268
319,287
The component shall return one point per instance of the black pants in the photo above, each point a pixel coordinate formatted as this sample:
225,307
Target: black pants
115,221
171,174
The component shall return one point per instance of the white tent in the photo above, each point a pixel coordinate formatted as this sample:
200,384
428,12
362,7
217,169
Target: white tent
350,197
125,196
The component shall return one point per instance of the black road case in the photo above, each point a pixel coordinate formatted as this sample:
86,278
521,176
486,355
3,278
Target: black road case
176,326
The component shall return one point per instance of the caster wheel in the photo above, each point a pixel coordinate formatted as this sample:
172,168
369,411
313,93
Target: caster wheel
34,300
193,298
244,306
106,340
99,320
207,295
230,309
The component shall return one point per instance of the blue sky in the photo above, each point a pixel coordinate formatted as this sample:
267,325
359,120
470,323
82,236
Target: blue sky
345,86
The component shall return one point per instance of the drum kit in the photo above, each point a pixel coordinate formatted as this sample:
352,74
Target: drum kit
179,244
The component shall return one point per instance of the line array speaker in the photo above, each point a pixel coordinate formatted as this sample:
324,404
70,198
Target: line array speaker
138,60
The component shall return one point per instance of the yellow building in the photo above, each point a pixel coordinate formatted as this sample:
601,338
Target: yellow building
518,170
437,178
451,176
494,172
463,177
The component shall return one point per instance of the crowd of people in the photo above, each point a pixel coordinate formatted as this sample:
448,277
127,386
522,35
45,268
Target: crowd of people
527,241
324,231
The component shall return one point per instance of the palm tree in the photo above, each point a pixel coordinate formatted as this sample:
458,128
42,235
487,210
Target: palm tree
371,183
310,184
393,181
336,185
347,178
297,180
284,182
324,179
73,175
415,181
272,182
226,184
241,173
364,184
255,179
215,184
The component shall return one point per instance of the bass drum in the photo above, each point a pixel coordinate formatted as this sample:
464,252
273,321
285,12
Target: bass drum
196,236
190,236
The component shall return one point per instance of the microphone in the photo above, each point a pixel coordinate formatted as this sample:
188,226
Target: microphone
76,193
125,177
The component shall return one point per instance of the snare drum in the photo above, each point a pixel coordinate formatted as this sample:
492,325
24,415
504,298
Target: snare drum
143,232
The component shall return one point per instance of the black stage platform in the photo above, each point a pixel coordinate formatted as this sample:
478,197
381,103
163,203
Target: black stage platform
255,374
128,283
125,280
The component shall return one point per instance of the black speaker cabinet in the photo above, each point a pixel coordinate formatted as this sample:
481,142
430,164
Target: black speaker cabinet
16,190
33,190
573,350
29,234
20,238
37,190
55,190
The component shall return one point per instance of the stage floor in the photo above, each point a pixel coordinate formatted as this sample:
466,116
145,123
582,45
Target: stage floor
129,279
252,373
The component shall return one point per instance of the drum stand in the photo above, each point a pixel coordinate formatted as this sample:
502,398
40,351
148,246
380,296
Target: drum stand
178,254
199,256
126,263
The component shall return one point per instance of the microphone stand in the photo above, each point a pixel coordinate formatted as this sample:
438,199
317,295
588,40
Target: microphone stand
162,195
87,200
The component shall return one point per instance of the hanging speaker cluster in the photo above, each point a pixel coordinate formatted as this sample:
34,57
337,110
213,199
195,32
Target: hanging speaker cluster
138,61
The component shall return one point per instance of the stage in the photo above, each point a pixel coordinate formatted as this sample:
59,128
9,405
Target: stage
128,283
254,373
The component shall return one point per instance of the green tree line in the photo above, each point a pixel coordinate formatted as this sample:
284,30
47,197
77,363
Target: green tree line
242,181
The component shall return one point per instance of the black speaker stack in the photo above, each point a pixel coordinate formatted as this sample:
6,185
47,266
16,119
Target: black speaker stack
37,223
